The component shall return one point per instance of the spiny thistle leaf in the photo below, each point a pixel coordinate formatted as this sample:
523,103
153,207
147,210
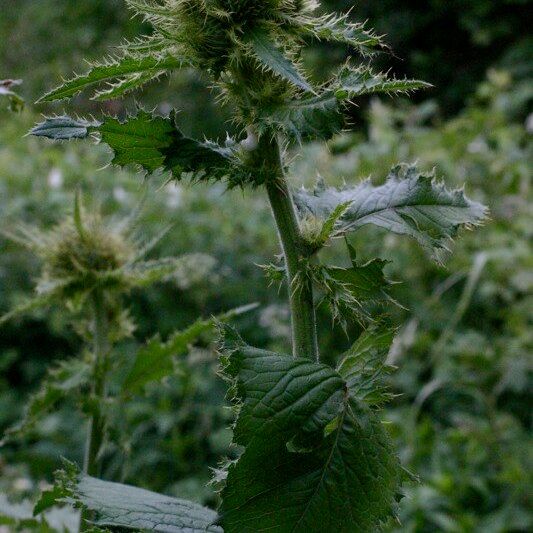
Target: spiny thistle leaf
352,82
126,85
316,117
363,366
124,506
273,58
114,69
348,291
60,382
320,117
155,360
153,143
337,28
284,402
408,203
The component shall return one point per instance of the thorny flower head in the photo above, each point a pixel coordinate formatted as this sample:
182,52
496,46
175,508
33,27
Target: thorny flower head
86,253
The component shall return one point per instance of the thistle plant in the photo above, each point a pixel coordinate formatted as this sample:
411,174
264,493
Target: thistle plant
313,453
88,266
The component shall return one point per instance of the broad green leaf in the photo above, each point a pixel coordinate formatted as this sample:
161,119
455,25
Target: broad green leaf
68,377
364,365
277,394
352,82
346,477
112,70
273,58
152,142
124,506
155,360
408,203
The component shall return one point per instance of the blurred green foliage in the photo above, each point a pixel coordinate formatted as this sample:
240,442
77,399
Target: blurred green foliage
462,416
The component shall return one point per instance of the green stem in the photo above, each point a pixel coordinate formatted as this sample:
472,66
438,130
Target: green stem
303,319
96,429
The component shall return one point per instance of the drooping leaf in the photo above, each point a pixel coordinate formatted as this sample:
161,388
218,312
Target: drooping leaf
155,360
344,481
115,69
408,203
63,128
364,365
152,142
64,379
124,506
273,58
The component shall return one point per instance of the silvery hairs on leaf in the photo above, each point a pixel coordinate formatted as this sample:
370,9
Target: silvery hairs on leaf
408,203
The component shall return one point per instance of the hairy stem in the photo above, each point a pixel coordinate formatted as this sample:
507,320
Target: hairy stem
96,428
303,320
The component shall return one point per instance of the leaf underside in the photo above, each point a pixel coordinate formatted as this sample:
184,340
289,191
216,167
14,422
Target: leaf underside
123,506
408,203
316,459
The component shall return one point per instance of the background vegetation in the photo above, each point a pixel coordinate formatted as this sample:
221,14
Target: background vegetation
462,415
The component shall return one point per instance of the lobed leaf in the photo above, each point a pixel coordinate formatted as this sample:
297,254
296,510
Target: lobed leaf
348,291
114,69
124,506
315,458
408,203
